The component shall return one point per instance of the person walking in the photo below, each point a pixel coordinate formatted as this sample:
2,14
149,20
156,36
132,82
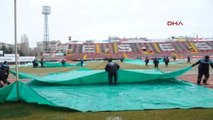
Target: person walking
174,57
82,62
166,60
146,61
156,62
188,60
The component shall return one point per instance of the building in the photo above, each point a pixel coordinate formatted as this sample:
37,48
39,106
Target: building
24,41
53,46
63,48
126,40
7,48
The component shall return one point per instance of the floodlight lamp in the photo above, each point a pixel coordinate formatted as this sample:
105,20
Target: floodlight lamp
46,10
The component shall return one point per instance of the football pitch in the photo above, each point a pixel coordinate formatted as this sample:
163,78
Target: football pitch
24,111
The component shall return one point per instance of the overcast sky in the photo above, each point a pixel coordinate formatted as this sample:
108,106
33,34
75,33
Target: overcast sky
98,19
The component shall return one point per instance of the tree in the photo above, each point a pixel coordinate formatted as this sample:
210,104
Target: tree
20,53
10,50
5,50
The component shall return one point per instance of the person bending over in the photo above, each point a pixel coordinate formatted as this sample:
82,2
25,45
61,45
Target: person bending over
4,73
203,69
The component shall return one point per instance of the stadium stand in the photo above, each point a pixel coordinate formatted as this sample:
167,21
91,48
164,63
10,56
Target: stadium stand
139,50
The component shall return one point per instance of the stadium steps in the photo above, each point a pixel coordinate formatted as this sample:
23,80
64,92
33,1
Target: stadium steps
139,47
75,49
105,48
210,43
110,48
181,48
185,46
115,47
85,57
193,47
177,47
156,46
72,48
176,55
102,48
124,55
149,47
97,47
152,47
80,49
134,47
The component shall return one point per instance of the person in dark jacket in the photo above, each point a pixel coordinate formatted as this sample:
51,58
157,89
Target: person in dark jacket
166,60
112,69
82,62
42,62
174,57
63,62
1,85
35,63
203,69
156,62
188,60
122,59
4,73
146,61
2,78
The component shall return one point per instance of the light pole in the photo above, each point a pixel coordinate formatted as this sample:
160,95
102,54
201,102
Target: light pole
46,12
16,56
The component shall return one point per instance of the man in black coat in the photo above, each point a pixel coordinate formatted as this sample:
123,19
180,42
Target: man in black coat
2,78
188,60
63,62
146,61
166,60
203,69
112,69
35,63
42,62
4,73
174,57
156,62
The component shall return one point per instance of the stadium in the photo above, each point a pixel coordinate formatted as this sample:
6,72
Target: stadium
164,75
129,48
75,85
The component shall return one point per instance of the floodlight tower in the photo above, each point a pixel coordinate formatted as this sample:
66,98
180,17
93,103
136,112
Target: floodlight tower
46,12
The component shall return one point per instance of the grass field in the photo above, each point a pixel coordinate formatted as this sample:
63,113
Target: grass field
24,111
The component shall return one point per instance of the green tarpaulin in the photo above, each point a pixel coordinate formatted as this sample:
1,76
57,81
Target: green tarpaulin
141,62
99,76
59,64
87,90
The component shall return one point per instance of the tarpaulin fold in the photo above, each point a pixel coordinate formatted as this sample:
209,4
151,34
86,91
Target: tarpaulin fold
88,90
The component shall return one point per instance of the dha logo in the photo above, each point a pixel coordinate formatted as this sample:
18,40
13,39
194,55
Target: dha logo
174,23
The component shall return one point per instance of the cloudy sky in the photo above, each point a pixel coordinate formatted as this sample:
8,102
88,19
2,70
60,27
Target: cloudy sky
98,19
